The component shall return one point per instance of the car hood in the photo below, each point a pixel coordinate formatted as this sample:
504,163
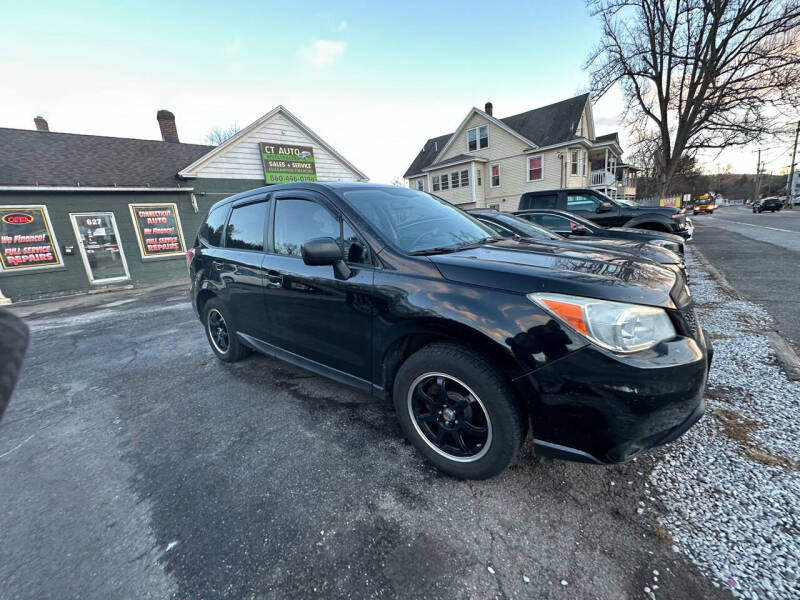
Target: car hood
526,267
641,248
649,233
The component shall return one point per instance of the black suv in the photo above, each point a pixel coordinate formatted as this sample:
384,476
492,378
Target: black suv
604,211
473,337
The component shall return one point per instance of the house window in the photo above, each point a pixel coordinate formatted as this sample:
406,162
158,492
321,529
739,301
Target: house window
454,179
585,158
479,177
445,182
574,162
464,178
435,180
421,184
495,172
535,171
477,138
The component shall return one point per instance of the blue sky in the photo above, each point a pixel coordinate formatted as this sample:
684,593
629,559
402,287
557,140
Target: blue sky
373,79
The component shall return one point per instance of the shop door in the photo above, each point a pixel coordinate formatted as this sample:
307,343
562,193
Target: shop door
98,242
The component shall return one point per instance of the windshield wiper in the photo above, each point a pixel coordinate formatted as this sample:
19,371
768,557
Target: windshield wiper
466,246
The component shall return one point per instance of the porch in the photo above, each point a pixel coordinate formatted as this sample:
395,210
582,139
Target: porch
603,174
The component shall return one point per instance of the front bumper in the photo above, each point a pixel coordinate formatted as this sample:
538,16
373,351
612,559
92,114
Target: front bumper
595,406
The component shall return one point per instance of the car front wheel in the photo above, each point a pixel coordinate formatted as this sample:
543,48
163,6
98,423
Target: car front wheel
220,333
459,411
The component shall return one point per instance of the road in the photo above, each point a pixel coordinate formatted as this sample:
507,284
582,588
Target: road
760,255
133,464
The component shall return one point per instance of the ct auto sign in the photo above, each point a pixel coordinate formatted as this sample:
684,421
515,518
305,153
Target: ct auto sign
287,163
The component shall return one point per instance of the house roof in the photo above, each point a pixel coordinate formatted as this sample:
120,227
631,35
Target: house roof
609,137
457,159
428,154
544,126
47,158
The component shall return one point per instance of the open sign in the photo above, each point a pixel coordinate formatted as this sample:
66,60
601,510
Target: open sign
18,219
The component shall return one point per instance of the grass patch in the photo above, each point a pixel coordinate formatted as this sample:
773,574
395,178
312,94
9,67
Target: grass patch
739,428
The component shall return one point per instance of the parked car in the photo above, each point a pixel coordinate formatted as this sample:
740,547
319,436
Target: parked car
511,226
575,227
704,204
771,204
607,212
473,337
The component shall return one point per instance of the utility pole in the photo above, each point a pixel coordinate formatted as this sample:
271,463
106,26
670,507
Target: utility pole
791,170
757,185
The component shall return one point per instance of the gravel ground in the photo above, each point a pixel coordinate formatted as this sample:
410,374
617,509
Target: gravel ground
730,487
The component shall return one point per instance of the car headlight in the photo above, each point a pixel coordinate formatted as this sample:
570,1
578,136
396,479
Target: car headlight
616,326
675,247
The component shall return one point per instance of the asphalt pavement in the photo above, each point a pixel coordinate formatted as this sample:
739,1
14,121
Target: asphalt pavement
759,254
133,464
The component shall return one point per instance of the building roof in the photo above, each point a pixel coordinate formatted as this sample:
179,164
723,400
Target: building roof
609,137
47,158
545,126
459,159
428,153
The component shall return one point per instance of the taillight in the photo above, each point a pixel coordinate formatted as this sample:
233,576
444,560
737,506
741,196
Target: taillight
189,256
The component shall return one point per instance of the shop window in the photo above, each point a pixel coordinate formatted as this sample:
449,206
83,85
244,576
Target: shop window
26,239
245,229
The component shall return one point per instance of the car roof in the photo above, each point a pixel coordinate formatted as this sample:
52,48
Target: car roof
338,186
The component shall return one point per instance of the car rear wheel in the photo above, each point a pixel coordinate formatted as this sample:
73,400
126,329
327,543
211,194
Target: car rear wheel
221,335
459,411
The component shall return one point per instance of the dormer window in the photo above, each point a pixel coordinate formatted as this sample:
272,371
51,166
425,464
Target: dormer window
477,138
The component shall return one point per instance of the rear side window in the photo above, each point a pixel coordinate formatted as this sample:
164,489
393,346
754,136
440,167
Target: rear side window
245,230
545,201
211,229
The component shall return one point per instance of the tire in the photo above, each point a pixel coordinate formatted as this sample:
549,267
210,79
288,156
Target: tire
493,426
227,347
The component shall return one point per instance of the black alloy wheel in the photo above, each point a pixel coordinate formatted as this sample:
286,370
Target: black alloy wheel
218,331
449,417
459,410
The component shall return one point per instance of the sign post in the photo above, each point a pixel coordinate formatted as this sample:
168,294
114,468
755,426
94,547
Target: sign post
287,163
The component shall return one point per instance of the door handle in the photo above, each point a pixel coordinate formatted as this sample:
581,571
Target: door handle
218,264
274,279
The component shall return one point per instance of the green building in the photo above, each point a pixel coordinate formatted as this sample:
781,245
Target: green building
87,212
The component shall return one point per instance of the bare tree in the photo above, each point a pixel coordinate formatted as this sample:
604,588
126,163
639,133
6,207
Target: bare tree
700,74
217,135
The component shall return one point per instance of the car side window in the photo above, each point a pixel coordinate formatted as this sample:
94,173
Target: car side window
582,202
211,229
299,220
553,222
545,201
245,230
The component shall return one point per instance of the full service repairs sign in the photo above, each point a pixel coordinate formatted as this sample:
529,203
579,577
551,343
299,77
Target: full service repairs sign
26,239
286,163
158,230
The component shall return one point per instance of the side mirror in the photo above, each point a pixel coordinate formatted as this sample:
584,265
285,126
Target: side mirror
581,230
605,207
325,251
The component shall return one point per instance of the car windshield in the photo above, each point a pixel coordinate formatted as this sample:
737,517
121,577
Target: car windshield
525,228
416,222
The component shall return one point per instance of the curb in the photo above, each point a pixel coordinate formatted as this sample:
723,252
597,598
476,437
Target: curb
783,349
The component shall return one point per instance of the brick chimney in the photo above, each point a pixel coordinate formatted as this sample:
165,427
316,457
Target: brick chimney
41,124
166,121
488,108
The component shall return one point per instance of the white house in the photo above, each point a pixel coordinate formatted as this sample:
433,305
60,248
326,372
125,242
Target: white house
491,162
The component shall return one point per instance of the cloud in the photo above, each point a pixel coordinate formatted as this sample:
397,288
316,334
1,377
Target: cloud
322,53
342,25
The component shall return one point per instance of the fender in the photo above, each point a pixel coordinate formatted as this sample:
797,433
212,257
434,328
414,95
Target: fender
650,218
